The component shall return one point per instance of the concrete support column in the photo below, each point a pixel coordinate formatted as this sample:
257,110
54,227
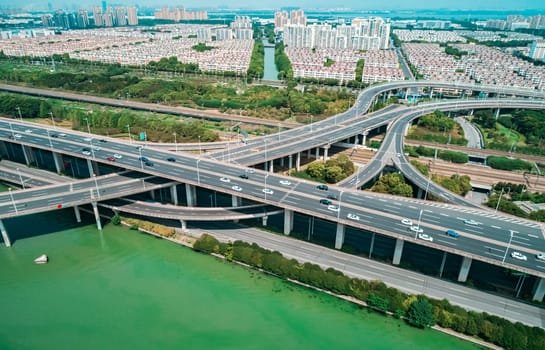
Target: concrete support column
431,93
27,152
235,201
398,251
266,166
364,134
264,220
59,164
317,153
464,269
497,114
539,289
92,167
288,221
282,162
443,264
290,161
471,112
419,194
372,245
183,223
5,236
77,213
339,238
191,195
298,162
271,167
309,153
326,150
407,94
97,215
174,194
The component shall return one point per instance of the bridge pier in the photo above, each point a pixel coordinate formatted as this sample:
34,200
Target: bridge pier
317,153
235,201
183,223
464,269
442,264
339,236
77,213
288,221
497,114
271,167
309,153
97,215
59,165
92,167
298,162
27,152
5,236
539,289
398,251
191,195
264,220
372,245
282,162
326,149
290,162
174,194
364,134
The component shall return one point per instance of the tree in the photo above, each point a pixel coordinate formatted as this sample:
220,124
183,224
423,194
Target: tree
116,219
393,184
420,313
334,174
316,170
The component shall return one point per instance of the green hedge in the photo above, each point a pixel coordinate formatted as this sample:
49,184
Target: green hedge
504,163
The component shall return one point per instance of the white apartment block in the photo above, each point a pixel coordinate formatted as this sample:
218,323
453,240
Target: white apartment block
537,50
132,17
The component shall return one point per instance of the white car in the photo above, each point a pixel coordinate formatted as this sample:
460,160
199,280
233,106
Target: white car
519,256
333,207
417,229
425,237
88,139
17,136
285,182
540,256
407,222
86,153
62,134
97,149
225,179
267,191
470,222
28,131
237,188
352,216
118,156
249,170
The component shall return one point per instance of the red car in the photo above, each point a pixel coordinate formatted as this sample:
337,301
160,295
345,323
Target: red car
111,159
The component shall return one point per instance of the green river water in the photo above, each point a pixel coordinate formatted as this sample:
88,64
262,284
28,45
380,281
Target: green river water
121,289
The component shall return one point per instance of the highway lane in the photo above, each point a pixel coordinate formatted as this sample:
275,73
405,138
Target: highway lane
354,266
301,196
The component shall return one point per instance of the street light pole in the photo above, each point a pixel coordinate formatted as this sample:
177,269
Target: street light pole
88,127
141,161
198,174
418,224
175,143
508,245
52,119
19,110
499,200
340,201
200,148
12,200
21,179
130,137
96,184
265,192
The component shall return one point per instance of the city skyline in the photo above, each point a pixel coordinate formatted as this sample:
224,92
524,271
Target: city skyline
305,4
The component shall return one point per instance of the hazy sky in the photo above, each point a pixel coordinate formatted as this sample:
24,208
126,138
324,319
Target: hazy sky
356,4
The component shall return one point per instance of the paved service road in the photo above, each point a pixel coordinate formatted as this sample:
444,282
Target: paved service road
408,281
471,133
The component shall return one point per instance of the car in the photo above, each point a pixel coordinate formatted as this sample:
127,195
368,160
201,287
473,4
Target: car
322,187
267,191
96,148
143,159
111,159
18,136
540,256
243,176
55,136
88,139
225,179
139,147
171,159
325,201
470,222
333,207
406,222
28,131
102,140
352,216
62,134
417,229
452,233
237,188
148,163
425,237
86,153
519,256
118,156
86,149
285,182
249,170
332,196
398,155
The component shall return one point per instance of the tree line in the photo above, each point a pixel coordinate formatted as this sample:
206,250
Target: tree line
418,310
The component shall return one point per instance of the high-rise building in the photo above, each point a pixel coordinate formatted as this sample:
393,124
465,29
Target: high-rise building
82,19
132,16
97,16
120,16
298,17
280,20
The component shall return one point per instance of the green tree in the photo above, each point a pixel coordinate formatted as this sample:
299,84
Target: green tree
316,170
334,174
116,219
420,313
207,244
393,184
